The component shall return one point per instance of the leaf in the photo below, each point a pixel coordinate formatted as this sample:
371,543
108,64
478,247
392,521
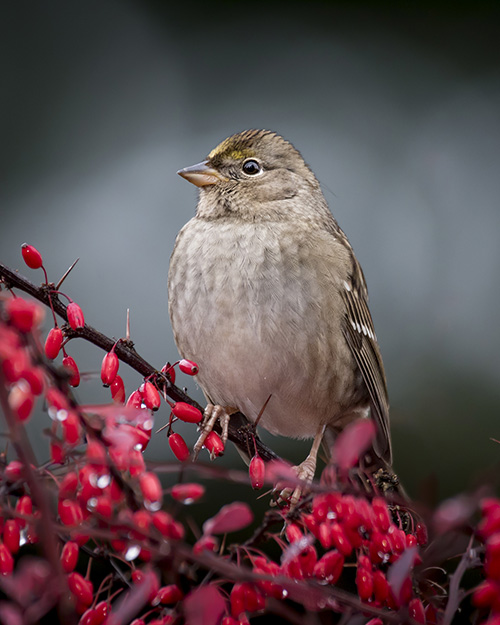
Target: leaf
454,513
204,606
352,443
400,570
231,518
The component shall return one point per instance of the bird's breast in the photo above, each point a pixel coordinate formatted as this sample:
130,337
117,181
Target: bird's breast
258,308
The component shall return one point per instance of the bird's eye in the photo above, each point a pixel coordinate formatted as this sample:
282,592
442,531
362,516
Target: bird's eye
251,167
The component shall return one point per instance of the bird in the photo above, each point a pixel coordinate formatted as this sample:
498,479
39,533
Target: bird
266,295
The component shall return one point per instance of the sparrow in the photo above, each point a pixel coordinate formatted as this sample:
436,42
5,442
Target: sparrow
266,295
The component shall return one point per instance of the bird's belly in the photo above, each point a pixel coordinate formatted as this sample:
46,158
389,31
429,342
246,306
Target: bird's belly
256,325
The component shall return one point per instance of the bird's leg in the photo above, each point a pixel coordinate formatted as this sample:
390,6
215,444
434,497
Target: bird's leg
211,415
305,470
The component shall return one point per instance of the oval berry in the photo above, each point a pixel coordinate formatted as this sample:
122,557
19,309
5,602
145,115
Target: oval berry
69,556
178,446
188,367
186,412
53,343
31,256
187,493
150,487
72,368
257,471
109,368
151,397
81,588
75,316
213,443
117,389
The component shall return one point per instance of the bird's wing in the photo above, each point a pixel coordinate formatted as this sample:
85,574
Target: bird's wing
360,336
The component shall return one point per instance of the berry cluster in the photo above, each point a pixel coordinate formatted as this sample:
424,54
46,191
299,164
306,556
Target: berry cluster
487,594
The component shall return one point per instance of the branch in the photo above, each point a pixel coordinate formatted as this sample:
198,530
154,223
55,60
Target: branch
241,432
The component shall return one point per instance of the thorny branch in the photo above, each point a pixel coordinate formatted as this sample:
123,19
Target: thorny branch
241,432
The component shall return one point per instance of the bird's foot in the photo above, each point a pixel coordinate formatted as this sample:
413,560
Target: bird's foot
305,473
211,415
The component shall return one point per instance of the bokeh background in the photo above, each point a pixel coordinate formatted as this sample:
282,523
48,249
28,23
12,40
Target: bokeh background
396,107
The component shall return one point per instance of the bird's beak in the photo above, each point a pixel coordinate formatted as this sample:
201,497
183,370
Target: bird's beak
201,174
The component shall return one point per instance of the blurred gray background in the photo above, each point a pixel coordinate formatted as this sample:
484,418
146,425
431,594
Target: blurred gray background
396,109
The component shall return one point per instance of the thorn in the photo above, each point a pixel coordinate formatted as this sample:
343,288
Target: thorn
256,423
66,275
162,428
127,332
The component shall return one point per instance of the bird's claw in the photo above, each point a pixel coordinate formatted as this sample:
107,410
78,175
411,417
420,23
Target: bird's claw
211,415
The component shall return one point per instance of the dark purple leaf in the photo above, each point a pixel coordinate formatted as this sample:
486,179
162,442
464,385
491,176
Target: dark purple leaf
204,606
352,443
231,518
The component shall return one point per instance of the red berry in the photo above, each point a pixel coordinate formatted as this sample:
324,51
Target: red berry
6,560
325,535
492,559
103,608
53,343
205,543
69,556
96,455
14,471
151,487
137,466
75,316
90,617
178,446
380,548
416,611
169,594
21,400
237,599
187,493
188,366
486,594
340,540
257,471
34,377
24,506
81,588
380,587
70,512
23,315
364,583
162,521
329,567
186,412
293,533
31,256
135,400
151,397
72,430
381,514
103,507
118,390
56,400
213,443
11,535
72,368
109,368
